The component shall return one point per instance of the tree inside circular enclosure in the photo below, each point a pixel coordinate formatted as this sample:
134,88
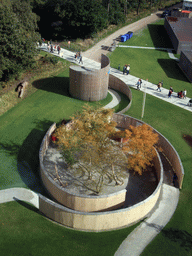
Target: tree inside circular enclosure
99,153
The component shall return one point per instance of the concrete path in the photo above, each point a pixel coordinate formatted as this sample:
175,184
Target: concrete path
115,101
13,194
136,242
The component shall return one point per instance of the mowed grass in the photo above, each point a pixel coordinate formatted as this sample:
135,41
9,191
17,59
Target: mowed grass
154,65
24,231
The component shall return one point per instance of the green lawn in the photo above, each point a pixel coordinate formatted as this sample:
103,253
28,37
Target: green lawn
23,231
154,65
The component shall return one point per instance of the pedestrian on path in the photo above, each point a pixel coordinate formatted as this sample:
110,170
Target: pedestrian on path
139,84
184,94
128,69
51,48
80,59
170,92
58,49
159,85
124,69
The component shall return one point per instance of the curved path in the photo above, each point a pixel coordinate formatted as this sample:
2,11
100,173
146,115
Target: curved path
136,242
115,101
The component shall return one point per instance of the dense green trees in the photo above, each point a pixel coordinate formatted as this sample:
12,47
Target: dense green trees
63,19
18,37
71,19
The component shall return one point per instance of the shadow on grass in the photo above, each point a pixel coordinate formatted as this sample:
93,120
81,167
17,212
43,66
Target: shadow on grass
179,236
59,85
188,139
26,205
172,70
27,155
159,36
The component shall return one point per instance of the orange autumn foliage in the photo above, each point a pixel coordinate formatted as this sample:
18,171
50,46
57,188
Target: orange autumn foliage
140,147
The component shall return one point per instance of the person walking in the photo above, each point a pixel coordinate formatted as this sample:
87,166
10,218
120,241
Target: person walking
124,69
80,59
58,49
128,69
184,94
51,48
170,92
138,84
159,85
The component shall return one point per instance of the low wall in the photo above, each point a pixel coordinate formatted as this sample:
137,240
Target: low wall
99,221
117,84
170,152
72,200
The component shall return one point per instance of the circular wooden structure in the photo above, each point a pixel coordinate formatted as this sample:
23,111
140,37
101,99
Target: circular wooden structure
90,84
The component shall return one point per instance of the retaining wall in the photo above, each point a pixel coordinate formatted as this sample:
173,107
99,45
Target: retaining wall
71,200
117,84
98,221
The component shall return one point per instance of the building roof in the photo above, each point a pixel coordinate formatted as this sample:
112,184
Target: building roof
188,54
182,28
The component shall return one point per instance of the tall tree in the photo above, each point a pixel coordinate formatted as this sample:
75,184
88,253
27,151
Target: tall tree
18,38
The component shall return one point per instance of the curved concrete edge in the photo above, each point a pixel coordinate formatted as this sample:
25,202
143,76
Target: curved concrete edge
152,226
12,194
115,101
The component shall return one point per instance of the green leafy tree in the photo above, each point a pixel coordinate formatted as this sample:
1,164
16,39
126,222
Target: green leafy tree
18,38
71,19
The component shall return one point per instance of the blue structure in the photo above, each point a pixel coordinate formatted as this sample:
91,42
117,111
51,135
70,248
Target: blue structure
126,36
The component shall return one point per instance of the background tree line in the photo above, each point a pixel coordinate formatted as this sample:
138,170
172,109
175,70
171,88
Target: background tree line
57,20
71,19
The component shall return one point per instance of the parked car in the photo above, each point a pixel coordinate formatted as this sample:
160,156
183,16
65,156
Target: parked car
166,13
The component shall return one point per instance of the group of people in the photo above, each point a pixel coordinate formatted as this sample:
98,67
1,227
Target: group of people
52,48
78,57
126,69
182,94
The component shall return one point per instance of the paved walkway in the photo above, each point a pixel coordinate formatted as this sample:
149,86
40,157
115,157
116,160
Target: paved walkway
130,80
136,242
